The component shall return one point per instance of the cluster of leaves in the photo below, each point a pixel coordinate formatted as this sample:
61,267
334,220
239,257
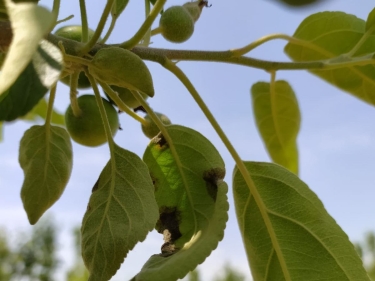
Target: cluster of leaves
177,187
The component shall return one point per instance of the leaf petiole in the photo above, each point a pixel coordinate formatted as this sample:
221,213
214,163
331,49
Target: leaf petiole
121,105
91,43
99,101
129,44
85,27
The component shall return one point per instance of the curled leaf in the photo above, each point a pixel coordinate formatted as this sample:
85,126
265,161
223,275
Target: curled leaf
188,177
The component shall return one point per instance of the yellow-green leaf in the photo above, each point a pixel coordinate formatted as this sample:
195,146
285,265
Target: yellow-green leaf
370,23
331,34
288,235
277,117
121,211
45,156
29,24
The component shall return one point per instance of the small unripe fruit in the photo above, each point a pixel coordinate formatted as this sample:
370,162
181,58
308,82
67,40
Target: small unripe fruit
122,68
126,96
176,24
74,32
151,129
88,128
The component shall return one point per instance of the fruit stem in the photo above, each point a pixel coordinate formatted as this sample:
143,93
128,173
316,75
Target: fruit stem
147,37
51,101
244,50
109,31
132,42
240,164
55,12
85,27
121,105
91,43
103,114
156,31
73,94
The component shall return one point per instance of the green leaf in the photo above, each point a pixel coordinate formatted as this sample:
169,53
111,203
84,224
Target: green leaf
370,23
29,24
288,235
331,34
187,173
121,211
277,117
118,7
33,83
171,267
40,111
45,157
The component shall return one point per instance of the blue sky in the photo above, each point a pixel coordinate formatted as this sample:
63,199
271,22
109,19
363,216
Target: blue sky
336,141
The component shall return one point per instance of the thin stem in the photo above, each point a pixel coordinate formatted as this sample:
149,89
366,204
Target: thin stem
73,94
85,27
103,114
121,105
147,37
109,31
359,44
55,11
64,19
51,101
244,50
91,43
240,164
145,26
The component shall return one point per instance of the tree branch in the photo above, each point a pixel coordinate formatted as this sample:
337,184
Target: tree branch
160,55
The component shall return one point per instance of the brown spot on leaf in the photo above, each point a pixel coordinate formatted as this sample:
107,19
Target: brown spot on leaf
212,177
161,141
169,224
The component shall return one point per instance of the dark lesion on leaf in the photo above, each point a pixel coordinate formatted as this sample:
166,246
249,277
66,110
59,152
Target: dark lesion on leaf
168,224
212,178
160,140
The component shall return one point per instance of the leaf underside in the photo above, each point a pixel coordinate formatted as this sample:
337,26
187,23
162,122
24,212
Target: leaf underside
332,34
277,117
187,172
46,159
120,213
288,235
